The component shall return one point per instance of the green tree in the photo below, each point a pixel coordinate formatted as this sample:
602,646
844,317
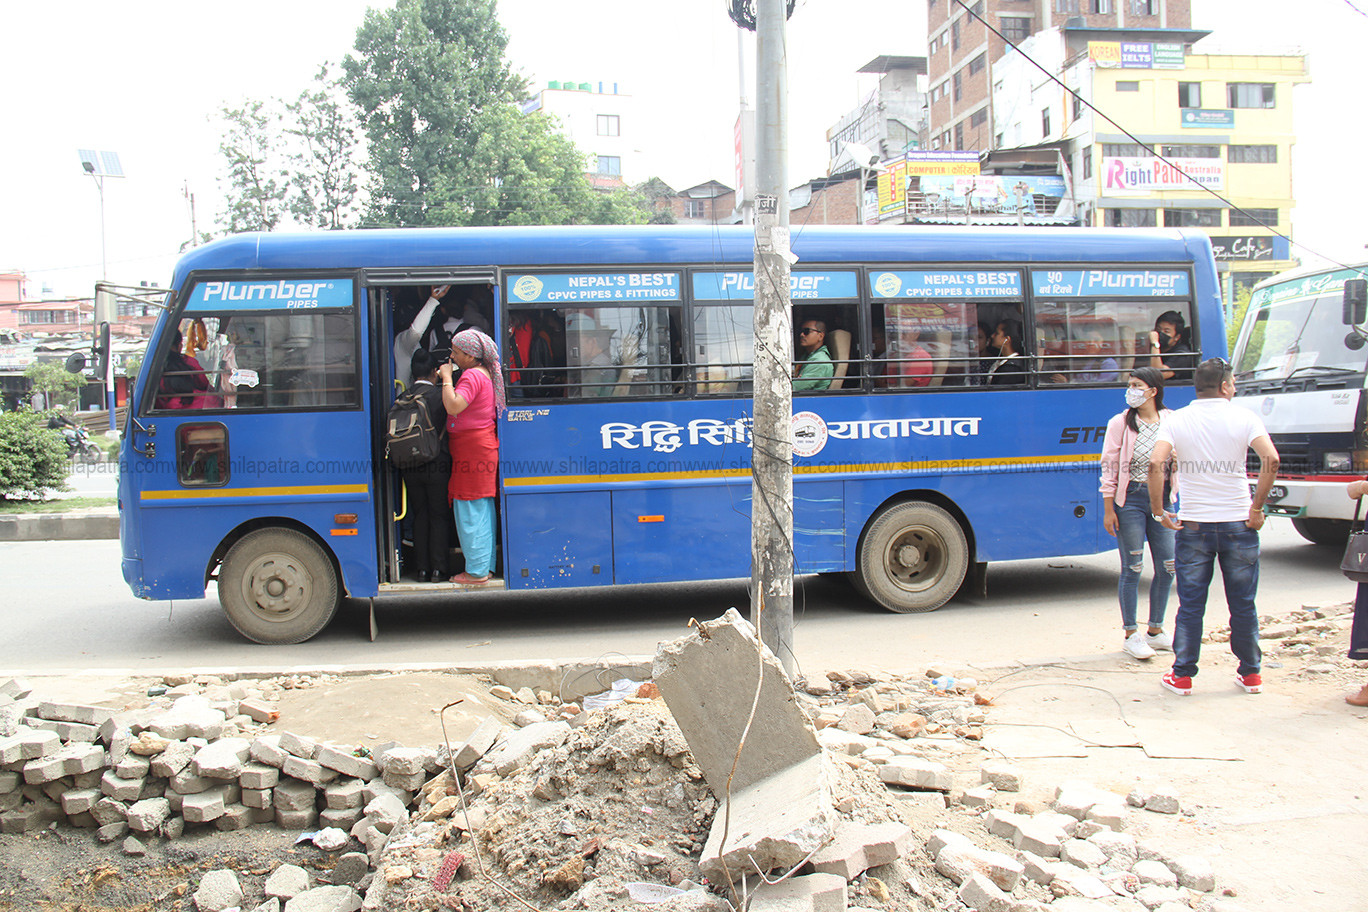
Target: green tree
32,458
323,176
255,167
424,73
57,385
1239,307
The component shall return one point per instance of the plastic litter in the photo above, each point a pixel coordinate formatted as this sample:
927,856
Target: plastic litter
943,684
622,689
651,893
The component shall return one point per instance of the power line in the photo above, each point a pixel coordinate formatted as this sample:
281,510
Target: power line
1083,101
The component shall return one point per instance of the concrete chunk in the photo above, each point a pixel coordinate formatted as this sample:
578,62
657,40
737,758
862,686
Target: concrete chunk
962,861
209,805
518,746
79,801
148,815
258,776
776,822
708,680
121,789
325,899
479,743
980,894
345,794
307,770
287,881
67,731
298,745
345,762
222,759
916,773
1082,854
28,744
1194,872
293,795
1154,872
218,890
856,847
175,757
266,749
190,716
811,893
74,712
1000,775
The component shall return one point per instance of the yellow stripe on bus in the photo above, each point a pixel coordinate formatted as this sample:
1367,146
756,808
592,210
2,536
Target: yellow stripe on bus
290,491
942,465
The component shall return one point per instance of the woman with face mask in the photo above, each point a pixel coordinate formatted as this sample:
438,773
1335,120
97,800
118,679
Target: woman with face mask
1126,452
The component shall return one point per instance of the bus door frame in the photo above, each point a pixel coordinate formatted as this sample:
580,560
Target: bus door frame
388,498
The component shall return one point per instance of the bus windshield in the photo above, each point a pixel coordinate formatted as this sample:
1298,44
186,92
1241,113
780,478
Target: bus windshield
1284,336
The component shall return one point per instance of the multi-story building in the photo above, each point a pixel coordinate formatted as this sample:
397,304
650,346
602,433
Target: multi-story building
963,52
890,120
600,121
1224,121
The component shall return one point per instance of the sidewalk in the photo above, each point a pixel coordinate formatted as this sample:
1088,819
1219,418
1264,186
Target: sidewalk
73,525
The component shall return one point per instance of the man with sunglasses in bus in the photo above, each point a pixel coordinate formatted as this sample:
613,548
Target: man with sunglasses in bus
815,370
1217,519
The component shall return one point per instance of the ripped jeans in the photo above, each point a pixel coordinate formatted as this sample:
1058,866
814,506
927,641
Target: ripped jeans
1134,526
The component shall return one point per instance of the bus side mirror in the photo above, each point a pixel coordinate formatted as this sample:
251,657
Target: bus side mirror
1355,301
75,362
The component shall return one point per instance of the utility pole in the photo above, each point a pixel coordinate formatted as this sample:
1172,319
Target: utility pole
772,424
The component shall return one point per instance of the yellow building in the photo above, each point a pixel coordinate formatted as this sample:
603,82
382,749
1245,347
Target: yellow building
1224,121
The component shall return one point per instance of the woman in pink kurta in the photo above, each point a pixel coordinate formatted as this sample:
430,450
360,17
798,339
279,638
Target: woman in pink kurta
473,404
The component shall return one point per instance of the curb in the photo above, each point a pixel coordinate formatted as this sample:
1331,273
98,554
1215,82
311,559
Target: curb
28,527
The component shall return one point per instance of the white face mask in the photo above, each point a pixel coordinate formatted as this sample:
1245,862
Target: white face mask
1135,397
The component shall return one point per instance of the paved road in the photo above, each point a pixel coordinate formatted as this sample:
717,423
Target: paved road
65,608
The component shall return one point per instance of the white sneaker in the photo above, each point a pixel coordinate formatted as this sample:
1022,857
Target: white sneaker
1136,647
1160,642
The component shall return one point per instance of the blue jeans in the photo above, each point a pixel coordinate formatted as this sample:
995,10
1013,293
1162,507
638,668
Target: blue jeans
1200,545
1135,525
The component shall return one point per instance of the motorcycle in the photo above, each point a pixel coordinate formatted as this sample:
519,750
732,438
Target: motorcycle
79,444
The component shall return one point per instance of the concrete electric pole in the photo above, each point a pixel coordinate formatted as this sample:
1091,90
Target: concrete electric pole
772,424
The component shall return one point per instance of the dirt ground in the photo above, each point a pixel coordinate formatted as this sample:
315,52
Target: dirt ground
1272,784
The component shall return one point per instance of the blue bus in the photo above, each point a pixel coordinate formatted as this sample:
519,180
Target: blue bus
921,456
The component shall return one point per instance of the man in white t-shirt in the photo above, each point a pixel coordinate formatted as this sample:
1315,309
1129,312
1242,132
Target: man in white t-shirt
1217,519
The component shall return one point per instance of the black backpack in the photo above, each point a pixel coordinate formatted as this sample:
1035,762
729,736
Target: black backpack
411,437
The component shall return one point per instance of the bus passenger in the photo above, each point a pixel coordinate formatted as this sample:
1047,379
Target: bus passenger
183,382
815,370
406,340
1170,351
912,365
1009,368
473,405
427,483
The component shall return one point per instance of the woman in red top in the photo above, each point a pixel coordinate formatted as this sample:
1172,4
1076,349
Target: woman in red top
473,403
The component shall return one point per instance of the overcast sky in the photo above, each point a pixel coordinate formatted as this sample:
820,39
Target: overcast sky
145,77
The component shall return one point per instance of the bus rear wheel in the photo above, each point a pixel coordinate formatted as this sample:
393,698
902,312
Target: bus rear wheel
1322,531
913,557
278,587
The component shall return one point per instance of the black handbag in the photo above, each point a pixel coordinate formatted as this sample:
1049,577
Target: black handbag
1355,562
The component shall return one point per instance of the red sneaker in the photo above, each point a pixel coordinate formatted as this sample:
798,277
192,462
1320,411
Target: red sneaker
1252,684
1180,686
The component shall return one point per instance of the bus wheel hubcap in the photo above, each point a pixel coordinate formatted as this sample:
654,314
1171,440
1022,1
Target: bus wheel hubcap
279,587
915,558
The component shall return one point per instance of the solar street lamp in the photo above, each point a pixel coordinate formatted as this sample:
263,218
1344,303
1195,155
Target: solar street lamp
100,165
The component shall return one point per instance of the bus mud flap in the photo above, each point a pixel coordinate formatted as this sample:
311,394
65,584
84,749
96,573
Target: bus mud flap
374,630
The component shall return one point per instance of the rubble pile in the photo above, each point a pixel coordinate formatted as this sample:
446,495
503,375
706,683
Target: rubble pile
857,791
1313,638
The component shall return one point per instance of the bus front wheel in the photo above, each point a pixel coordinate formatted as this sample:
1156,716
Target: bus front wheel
278,587
1322,531
913,557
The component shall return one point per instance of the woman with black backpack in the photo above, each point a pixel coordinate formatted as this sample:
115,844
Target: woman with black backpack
427,482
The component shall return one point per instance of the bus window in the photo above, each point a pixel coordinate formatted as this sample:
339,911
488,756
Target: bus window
724,342
924,343
823,346
620,351
293,360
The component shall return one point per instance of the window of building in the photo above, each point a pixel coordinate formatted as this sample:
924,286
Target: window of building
1045,122
1253,218
978,118
977,8
1191,151
1145,7
1077,105
1129,218
1015,28
954,35
1189,94
1249,94
695,209
1127,85
1125,150
998,141
1253,154
1087,162
1100,6
609,125
1066,6
959,136
1192,218
977,64
610,165
958,85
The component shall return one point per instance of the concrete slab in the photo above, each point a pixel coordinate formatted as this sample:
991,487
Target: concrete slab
708,680
774,824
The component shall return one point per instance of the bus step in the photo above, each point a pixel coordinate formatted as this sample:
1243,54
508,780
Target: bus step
494,584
